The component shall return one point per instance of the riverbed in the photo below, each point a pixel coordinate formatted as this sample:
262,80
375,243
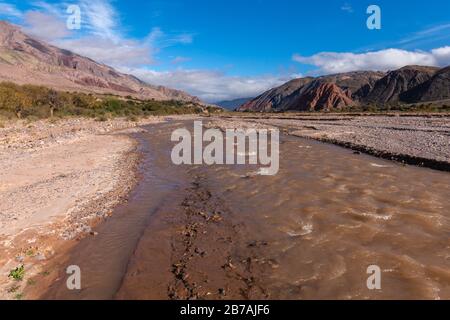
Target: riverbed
309,232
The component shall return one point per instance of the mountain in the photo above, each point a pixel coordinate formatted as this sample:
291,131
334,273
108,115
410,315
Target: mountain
395,83
26,60
435,89
326,93
274,98
319,96
232,104
353,82
322,93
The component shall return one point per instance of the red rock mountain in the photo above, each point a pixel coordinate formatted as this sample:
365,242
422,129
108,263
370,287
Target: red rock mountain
322,93
321,96
26,60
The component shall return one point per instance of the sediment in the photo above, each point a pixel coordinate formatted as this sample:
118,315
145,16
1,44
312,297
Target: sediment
415,139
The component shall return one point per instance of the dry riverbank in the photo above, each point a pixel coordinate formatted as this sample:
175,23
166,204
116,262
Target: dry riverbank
57,180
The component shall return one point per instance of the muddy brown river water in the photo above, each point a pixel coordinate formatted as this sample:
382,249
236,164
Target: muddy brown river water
309,232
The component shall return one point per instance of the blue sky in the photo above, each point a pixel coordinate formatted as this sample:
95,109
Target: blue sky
219,49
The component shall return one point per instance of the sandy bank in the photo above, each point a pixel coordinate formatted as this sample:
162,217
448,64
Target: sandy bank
57,180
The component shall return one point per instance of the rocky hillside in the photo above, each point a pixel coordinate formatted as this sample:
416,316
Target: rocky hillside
389,88
26,60
408,84
314,93
354,82
320,96
437,88
274,99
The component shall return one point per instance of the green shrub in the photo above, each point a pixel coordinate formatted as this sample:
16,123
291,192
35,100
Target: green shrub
17,273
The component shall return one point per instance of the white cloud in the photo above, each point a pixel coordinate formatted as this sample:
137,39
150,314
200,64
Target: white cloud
101,18
124,52
442,55
162,40
335,62
180,59
210,86
44,26
347,7
433,33
9,10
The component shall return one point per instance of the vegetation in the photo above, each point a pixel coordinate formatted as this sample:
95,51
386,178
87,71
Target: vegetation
17,273
399,107
426,107
13,289
36,102
45,273
31,282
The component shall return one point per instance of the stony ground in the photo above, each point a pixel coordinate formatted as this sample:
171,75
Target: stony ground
416,139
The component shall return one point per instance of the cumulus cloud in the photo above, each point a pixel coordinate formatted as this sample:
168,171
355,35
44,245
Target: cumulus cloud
210,86
335,62
442,56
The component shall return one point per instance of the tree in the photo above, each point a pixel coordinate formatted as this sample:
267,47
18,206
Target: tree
54,101
14,100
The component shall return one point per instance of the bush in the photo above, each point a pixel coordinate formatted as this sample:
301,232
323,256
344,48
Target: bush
18,273
36,102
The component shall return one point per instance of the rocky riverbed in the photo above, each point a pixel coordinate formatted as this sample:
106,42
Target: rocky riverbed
422,140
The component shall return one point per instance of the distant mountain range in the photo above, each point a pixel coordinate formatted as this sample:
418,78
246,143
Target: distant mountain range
26,60
232,104
410,84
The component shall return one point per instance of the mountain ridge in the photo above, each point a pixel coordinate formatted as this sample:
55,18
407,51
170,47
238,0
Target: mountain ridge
408,84
26,60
